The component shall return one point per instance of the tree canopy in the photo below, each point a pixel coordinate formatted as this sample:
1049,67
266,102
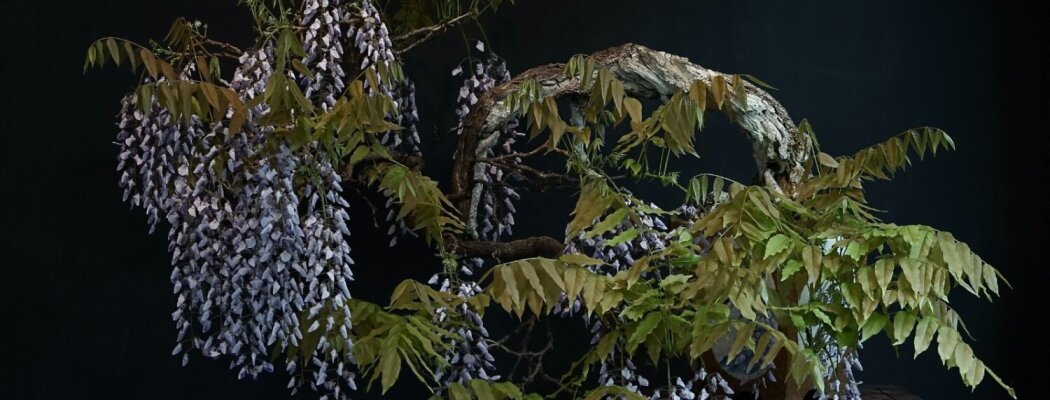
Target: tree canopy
768,286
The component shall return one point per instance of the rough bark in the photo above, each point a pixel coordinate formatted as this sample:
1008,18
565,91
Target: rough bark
539,246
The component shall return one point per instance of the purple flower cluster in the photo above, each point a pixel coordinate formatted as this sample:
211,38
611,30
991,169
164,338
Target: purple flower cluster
620,256
618,370
837,387
469,358
374,49
258,231
323,42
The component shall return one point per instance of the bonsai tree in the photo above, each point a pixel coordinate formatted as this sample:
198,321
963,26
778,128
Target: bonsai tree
767,287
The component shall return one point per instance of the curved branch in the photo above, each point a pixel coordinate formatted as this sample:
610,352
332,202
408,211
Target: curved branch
539,246
778,148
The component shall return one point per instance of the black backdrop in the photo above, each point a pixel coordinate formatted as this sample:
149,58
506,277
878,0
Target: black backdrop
86,298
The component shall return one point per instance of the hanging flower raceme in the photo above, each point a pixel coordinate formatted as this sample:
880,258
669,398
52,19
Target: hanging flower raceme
153,160
620,255
323,42
407,140
498,193
840,383
469,356
650,235
617,256
375,50
835,358
258,240
326,262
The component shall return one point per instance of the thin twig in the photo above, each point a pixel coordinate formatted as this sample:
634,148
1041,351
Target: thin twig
428,32
225,46
513,155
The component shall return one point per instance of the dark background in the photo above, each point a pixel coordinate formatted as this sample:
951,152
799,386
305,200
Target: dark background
85,293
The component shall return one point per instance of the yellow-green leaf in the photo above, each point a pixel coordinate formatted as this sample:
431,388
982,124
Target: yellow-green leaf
114,50
482,389
873,325
902,326
790,268
580,259
390,368
827,160
607,223
634,108
947,340
644,328
456,391
776,244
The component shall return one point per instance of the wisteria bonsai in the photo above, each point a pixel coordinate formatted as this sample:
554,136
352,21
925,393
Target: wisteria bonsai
766,288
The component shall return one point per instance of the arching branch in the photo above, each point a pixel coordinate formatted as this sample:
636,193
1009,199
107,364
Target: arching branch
779,149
